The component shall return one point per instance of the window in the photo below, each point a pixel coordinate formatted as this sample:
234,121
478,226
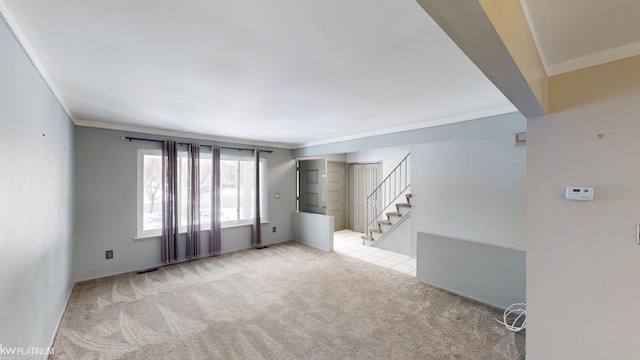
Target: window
205,189
238,190
149,193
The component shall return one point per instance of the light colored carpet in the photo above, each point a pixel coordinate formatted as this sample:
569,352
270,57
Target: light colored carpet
287,301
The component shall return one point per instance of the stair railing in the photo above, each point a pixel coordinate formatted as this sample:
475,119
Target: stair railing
389,190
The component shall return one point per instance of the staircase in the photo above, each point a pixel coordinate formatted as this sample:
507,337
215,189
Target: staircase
380,204
382,228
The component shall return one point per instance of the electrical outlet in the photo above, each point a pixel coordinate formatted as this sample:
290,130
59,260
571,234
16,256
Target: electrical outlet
108,254
274,229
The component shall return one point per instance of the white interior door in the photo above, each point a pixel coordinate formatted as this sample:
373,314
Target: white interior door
360,197
363,179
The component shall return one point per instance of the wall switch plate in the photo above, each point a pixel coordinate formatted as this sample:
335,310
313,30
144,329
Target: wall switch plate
579,193
277,195
274,229
108,254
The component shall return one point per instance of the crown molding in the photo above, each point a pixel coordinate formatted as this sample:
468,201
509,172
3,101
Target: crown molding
582,62
426,124
174,133
596,59
534,35
14,28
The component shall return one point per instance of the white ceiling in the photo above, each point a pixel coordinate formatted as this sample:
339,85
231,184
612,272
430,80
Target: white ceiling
575,34
280,71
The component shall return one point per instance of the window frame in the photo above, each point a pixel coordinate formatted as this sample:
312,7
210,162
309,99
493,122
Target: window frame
263,189
141,233
140,194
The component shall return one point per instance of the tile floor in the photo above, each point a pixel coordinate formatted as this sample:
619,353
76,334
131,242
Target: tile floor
349,243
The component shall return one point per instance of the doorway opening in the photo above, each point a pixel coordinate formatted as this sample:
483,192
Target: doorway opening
322,189
337,189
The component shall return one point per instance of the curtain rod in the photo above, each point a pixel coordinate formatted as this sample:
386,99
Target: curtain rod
181,143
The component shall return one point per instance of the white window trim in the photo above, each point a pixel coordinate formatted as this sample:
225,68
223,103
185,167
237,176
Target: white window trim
140,191
264,218
229,226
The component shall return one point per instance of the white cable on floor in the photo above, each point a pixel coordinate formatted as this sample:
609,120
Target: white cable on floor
519,310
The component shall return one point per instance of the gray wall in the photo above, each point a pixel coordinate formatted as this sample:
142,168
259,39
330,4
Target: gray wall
399,239
106,195
471,189
490,274
468,179
36,216
314,230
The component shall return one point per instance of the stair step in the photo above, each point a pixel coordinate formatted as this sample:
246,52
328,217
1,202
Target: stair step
395,213
384,222
375,230
403,205
366,237
408,196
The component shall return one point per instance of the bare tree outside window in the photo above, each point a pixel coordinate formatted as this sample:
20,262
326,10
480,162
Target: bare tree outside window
152,189
229,199
152,182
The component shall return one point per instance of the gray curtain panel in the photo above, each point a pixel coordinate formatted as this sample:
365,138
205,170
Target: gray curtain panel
169,201
193,202
257,236
216,213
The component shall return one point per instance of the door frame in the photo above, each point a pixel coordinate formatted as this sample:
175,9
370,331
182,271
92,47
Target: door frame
343,188
370,182
321,178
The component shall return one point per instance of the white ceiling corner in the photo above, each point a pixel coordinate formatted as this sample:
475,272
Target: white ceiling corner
527,16
30,53
576,34
595,59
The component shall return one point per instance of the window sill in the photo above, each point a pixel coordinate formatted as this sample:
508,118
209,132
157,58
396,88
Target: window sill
243,224
148,237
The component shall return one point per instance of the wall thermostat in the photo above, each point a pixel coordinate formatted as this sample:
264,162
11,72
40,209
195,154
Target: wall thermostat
579,193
